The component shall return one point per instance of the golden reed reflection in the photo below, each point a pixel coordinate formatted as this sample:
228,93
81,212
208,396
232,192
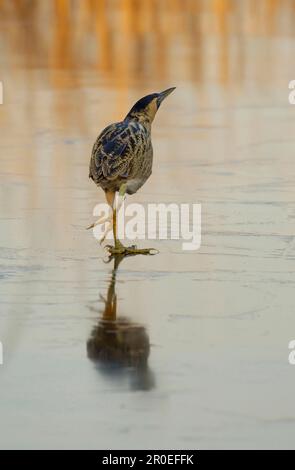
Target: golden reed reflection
72,66
120,347
131,41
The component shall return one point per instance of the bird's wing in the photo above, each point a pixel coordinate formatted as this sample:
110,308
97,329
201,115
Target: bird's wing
114,149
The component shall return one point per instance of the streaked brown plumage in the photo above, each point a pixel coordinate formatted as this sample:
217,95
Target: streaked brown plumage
122,155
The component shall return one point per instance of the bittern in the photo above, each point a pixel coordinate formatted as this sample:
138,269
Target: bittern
122,159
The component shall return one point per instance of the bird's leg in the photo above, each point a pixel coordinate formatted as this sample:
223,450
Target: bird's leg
105,219
119,248
107,230
110,196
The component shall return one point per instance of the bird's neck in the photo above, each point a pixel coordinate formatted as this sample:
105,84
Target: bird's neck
142,118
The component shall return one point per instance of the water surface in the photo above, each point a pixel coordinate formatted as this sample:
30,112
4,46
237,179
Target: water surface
182,349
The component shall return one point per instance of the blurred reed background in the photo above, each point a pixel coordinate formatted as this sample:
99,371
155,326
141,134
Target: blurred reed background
136,41
80,64
123,39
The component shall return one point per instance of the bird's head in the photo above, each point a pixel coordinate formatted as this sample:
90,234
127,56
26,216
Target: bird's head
145,109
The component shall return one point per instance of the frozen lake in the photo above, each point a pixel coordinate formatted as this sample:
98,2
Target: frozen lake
201,337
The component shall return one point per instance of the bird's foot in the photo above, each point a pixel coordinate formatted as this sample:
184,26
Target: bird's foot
108,221
120,249
103,220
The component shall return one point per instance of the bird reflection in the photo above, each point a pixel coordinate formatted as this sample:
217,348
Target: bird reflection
120,347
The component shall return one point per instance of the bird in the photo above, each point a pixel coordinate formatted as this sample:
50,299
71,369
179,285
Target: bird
121,162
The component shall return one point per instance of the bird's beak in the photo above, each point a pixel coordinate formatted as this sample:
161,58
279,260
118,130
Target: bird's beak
164,94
